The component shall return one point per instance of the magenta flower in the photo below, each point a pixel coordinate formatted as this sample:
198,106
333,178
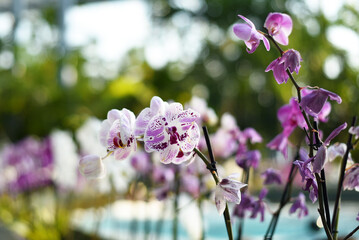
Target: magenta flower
289,60
299,204
290,116
271,176
246,205
313,103
174,135
228,189
117,133
259,205
252,135
249,34
279,26
351,179
248,159
141,162
280,143
304,166
322,157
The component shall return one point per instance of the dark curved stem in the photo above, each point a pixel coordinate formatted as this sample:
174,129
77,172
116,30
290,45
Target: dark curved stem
340,182
211,166
351,233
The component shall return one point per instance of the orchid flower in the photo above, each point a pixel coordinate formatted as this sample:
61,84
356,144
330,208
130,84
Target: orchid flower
271,176
289,60
117,133
351,179
313,103
279,26
249,34
228,189
174,135
259,205
321,157
92,167
299,204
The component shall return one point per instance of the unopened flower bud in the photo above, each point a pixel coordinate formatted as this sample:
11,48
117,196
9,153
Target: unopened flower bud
91,167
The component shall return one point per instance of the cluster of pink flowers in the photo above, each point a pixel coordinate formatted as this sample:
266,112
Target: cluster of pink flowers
311,102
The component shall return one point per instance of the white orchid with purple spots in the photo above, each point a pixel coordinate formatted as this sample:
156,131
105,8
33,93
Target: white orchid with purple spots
117,133
228,189
174,134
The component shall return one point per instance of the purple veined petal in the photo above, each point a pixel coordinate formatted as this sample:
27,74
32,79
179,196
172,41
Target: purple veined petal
266,43
242,31
320,159
91,166
191,140
142,121
172,110
169,154
232,195
157,105
281,38
123,153
231,184
354,131
335,133
219,200
183,157
155,138
113,114
247,21
130,117
104,130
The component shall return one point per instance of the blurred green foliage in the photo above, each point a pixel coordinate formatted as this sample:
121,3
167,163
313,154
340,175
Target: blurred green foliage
33,102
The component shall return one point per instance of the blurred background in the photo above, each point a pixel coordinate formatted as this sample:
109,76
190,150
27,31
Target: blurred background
65,61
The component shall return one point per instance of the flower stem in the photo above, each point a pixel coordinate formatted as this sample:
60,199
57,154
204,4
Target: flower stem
340,183
227,217
245,180
175,206
284,200
321,207
351,233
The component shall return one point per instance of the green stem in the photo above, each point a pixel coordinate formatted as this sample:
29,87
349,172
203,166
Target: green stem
227,217
175,206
